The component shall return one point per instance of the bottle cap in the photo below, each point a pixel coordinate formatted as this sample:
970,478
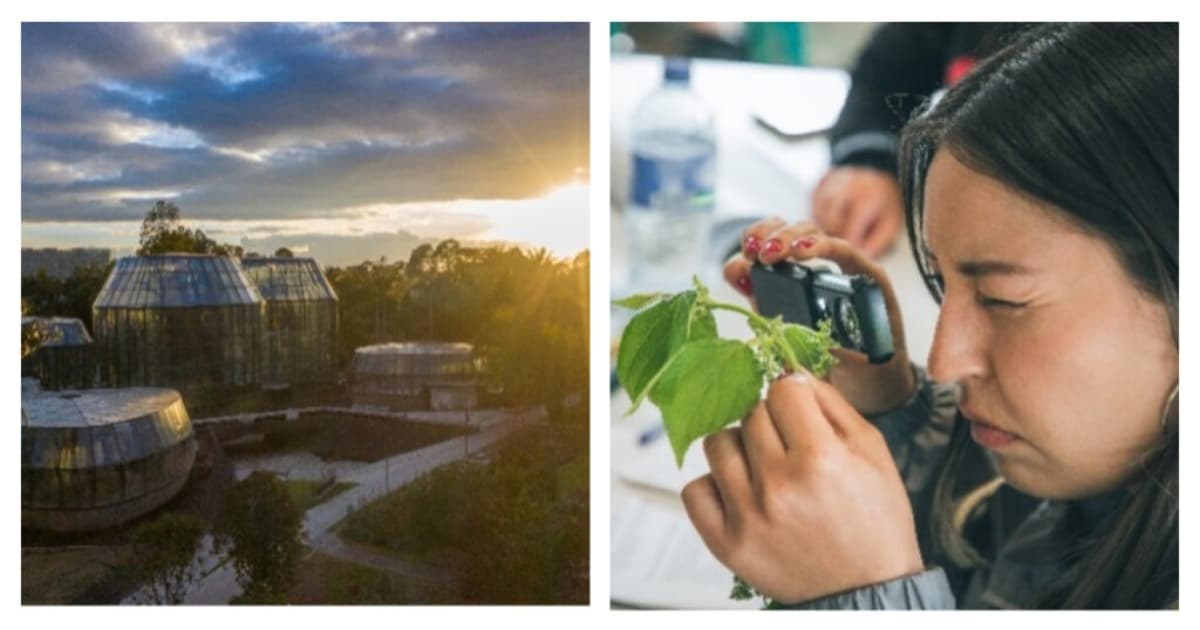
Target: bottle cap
677,69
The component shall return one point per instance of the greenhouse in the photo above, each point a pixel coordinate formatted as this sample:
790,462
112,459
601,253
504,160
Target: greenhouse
300,324
93,459
63,359
190,322
416,376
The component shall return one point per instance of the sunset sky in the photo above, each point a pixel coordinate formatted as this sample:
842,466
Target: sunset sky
344,141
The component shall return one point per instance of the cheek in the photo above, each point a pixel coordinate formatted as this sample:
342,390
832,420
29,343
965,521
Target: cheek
1077,390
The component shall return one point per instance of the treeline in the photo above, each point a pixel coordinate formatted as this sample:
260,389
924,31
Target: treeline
45,295
525,311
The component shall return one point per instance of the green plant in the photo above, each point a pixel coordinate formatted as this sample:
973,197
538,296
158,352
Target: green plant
671,354
261,527
165,560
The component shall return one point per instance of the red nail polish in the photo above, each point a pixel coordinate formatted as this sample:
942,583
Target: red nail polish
744,285
773,246
803,243
751,246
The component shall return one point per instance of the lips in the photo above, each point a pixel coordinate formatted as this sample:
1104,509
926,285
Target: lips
988,435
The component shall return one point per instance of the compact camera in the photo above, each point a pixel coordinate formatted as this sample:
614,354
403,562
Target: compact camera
808,295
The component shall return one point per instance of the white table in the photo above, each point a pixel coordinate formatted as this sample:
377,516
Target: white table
657,559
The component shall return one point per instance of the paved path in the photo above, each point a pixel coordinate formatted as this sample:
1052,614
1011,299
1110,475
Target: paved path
478,418
294,466
219,583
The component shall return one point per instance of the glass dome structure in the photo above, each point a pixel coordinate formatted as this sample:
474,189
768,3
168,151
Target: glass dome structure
416,375
63,360
92,459
186,321
300,321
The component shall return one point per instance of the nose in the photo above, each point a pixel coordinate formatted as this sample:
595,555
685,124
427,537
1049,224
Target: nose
959,344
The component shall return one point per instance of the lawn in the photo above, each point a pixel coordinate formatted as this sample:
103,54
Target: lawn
85,574
341,437
508,529
307,494
325,580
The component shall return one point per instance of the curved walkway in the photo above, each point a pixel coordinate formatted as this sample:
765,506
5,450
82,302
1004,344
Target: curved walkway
219,582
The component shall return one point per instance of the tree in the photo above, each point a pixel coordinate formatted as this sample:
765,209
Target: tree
33,334
165,560
163,232
284,252
525,311
68,297
261,525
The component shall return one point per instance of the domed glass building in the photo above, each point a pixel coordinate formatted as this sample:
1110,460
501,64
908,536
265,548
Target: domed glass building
186,321
301,319
416,376
93,459
63,359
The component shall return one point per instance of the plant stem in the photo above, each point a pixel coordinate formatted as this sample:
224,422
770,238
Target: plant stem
776,335
722,306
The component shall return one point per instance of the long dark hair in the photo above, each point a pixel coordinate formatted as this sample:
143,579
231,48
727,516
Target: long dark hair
1084,117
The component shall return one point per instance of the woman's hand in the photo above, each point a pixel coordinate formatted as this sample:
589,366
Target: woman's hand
870,388
860,204
804,499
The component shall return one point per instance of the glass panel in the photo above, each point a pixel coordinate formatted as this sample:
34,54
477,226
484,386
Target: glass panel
108,485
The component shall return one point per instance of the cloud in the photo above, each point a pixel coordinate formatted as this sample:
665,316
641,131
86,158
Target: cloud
288,121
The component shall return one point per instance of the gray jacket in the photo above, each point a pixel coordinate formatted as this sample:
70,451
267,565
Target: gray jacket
1023,538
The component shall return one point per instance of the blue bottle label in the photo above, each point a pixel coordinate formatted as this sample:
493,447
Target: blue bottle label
673,184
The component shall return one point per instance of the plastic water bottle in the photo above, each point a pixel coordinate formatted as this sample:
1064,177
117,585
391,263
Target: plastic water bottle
672,189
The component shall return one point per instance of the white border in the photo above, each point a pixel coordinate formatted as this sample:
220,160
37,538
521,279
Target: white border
599,12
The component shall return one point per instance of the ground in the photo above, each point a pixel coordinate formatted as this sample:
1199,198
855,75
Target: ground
89,568
85,574
309,493
552,463
511,531
325,580
338,436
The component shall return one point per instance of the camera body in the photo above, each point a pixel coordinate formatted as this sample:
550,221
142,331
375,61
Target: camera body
809,295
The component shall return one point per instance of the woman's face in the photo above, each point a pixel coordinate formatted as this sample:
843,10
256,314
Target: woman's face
1064,365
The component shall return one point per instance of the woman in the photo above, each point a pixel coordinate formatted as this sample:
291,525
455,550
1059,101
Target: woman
1036,463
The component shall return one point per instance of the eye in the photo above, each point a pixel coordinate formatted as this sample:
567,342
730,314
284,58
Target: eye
998,304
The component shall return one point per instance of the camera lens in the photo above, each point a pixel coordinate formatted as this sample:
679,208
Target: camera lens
847,320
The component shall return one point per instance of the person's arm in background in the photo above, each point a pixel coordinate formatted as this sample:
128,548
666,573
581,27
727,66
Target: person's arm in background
859,198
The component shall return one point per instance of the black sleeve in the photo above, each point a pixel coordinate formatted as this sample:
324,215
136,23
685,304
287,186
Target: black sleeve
900,67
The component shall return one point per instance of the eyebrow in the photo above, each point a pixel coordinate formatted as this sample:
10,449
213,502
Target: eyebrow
978,268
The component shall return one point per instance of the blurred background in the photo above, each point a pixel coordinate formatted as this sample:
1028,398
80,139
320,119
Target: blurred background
745,112
825,44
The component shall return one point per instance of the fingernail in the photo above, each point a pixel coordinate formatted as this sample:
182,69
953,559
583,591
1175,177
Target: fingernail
744,285
800,377
803,243
773,246
752,245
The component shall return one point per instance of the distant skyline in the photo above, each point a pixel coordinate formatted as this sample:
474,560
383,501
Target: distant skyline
348,141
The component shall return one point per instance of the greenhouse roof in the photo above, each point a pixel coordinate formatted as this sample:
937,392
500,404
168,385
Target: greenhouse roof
93,407
416,347
68,331
176,280
288,279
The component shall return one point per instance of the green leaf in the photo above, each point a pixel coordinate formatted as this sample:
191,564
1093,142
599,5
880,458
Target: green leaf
741,590
638,301
654,335
811,347
707,384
